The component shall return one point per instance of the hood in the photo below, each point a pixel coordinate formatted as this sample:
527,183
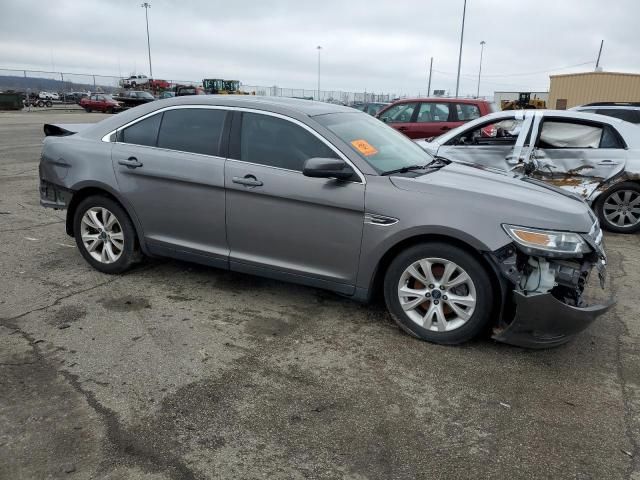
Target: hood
513,198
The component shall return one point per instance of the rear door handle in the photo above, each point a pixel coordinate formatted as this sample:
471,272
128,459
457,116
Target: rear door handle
402,129
247,181
445,128
131,162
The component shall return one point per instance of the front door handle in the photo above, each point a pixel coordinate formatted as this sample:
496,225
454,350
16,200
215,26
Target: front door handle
607,163
247,181
131,162
402,129
445,128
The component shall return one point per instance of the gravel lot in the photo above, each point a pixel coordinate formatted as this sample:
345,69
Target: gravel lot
177,371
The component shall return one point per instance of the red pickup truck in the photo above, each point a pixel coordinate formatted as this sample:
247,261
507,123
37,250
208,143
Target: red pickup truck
430,117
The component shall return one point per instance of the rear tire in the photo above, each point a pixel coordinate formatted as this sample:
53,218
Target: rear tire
105,235
49,103
451,305
618,209
87,109
40,104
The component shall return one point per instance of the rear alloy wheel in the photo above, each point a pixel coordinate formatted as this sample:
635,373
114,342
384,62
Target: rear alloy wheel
105,235
619,208
439,293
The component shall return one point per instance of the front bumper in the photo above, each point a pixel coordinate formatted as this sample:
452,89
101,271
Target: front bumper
542,321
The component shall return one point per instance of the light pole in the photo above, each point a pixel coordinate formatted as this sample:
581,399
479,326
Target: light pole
146,7
482,44
464,12
319,48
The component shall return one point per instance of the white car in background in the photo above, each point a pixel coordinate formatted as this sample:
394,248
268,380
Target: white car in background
134,81
594,156
48,96
628,111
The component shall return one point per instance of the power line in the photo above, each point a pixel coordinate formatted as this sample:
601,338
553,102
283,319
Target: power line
522,74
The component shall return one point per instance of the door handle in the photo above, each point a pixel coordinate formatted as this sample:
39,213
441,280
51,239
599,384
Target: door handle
131,162
247,181
607,163
402,129
445,128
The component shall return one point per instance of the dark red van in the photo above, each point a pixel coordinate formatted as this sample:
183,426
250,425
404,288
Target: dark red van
430,117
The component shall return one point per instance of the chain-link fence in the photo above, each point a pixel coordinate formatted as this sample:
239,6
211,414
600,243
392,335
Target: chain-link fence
64,87
337,96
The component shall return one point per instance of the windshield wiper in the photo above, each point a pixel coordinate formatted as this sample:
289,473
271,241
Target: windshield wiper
437,162
406,169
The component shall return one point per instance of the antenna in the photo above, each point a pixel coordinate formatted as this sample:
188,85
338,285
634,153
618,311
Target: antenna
599,54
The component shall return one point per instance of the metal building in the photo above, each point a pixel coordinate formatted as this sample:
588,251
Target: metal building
574,89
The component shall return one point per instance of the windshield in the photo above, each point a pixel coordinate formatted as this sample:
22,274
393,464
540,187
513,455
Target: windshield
378,144
145,95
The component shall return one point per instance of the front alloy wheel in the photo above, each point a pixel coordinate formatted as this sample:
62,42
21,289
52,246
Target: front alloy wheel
439,292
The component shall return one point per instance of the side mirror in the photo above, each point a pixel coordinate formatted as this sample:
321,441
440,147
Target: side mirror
384,119
327,168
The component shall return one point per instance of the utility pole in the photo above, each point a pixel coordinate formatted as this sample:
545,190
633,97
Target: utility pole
319,48
146,7
464,13
599,54
482,43
429,84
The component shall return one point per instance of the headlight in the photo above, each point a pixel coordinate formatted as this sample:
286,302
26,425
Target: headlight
534,241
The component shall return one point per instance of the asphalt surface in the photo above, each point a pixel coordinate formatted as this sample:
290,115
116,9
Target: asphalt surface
177,371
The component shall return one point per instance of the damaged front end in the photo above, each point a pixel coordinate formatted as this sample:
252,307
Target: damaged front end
545,292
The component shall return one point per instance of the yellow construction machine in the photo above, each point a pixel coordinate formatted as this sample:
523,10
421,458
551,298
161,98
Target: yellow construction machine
524,102
218,86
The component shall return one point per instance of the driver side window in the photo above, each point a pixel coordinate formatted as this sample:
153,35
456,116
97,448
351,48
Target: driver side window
400,113
504,132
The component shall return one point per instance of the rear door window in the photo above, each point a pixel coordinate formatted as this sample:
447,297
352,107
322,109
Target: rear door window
467,111
556,134
276,142
194,130
433,112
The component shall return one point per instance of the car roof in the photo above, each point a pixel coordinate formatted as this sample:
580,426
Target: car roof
471,101
276,104
291,107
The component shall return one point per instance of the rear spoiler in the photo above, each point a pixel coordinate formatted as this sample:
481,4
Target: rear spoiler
64,129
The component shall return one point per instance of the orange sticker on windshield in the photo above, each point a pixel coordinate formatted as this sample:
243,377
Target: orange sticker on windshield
364,147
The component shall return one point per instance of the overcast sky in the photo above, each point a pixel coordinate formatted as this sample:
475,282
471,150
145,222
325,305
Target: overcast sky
373,45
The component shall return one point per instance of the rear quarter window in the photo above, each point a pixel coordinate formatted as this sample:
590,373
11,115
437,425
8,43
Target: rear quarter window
144,132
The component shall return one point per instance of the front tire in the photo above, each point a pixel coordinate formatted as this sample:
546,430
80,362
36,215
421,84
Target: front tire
105,235
618,208
439,293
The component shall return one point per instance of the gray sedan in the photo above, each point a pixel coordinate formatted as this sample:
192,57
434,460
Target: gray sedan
593,156
326,196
